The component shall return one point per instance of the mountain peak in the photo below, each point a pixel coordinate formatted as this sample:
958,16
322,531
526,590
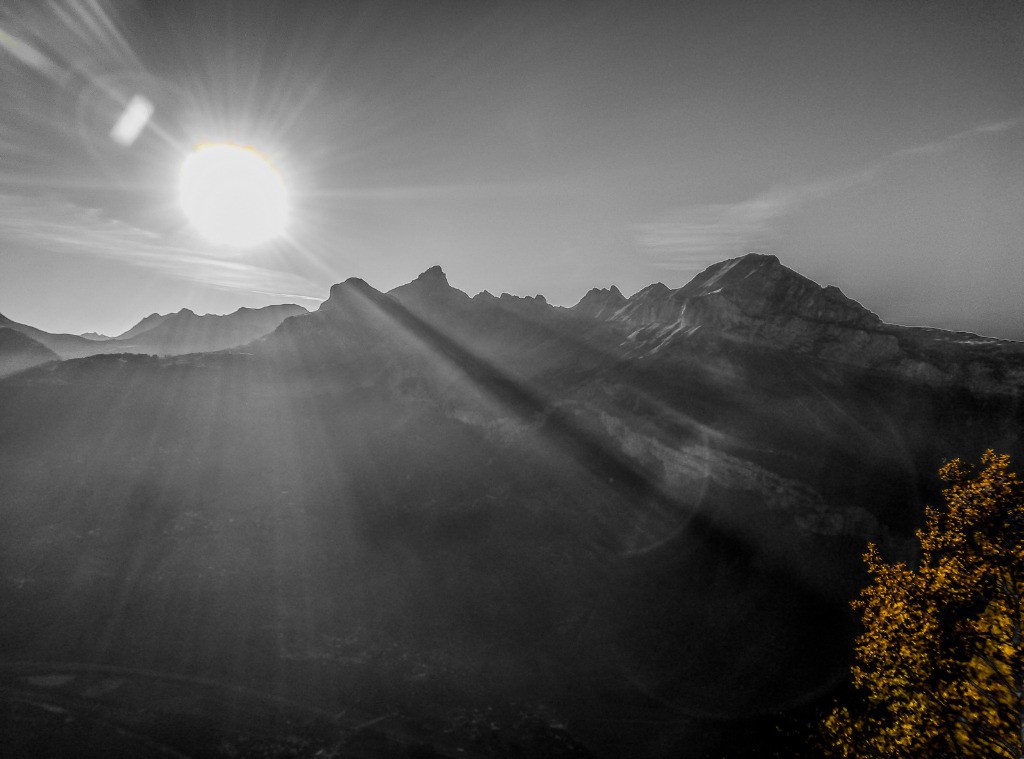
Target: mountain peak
761,287
601,303
433,274
351,298
656,290
740,295
430,291
350,286
653,304
733,271
759,258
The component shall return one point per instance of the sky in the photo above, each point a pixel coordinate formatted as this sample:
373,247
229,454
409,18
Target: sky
527,147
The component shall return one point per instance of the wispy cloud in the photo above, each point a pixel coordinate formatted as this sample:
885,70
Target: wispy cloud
43,224
695,236
457,191
948,143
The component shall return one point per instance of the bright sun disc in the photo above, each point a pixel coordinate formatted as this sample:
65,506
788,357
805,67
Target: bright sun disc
232,195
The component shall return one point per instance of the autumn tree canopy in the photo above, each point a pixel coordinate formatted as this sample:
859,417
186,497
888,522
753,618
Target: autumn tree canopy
940,664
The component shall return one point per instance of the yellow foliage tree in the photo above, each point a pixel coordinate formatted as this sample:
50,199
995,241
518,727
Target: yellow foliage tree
940,663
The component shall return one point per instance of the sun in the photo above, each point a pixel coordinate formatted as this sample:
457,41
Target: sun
232,195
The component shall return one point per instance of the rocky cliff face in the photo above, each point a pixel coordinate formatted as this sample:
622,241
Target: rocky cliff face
756,302
762,288
754,296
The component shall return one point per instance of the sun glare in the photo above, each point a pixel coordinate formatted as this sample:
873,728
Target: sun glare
232,195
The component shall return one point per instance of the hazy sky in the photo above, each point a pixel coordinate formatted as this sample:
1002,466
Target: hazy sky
528,147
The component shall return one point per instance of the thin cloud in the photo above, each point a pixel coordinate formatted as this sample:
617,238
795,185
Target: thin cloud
700,235
455,191
58,226
948,143
696,236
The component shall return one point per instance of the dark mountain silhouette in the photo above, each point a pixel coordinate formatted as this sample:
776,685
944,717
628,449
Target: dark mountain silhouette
633,525
185,332
601,304
19,351
65,346
168,334
146,324
430,290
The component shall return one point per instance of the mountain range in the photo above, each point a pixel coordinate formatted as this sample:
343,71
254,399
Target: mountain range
163,334
634,524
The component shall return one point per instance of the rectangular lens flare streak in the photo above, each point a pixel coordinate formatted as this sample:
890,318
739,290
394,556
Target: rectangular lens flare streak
134,119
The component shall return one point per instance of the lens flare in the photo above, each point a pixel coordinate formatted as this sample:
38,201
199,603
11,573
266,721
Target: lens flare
132,121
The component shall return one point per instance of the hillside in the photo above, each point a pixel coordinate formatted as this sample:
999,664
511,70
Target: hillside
19,351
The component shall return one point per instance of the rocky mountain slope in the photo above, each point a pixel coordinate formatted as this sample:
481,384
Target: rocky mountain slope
639,517
758,302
